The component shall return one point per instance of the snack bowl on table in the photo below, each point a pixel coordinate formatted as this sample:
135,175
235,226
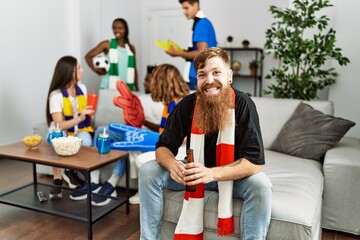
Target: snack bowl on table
66,146
32,141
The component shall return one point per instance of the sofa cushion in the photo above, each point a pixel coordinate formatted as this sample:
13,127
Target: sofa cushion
106,111
297,196
296,201
309,133
274,112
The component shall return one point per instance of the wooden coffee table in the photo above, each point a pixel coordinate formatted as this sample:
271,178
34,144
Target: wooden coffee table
86,160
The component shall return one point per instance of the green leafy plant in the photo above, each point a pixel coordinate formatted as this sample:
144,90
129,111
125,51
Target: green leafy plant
229,38
302,56
253,64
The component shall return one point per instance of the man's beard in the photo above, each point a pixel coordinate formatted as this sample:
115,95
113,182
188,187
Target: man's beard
212,111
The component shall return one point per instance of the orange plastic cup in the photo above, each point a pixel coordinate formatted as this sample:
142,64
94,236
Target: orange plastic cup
92,100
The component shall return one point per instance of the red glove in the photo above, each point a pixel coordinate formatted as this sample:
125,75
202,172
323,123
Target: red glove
131,105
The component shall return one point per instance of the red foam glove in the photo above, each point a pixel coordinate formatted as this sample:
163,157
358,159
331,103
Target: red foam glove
131,105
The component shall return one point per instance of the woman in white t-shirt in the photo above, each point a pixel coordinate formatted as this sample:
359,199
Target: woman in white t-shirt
66,107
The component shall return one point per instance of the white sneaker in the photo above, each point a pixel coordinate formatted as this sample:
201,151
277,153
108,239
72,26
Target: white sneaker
134,199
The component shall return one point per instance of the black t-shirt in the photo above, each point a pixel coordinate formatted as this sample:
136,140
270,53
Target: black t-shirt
248,140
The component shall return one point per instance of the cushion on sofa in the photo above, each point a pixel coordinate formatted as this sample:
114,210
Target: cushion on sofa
297,196
309,133
106,111
274,112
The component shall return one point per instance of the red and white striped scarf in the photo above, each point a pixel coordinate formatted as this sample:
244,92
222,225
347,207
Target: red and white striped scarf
190,224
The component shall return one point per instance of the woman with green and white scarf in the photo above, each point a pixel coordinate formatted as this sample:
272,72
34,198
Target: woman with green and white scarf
121,55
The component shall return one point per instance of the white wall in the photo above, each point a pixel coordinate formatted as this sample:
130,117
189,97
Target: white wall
36,33
345,93
91,27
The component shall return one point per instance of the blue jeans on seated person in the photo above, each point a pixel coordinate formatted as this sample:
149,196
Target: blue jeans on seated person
86,138
119,168
254,190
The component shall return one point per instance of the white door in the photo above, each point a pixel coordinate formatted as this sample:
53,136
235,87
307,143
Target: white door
169,24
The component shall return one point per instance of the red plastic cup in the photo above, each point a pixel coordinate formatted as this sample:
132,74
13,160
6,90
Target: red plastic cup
92,100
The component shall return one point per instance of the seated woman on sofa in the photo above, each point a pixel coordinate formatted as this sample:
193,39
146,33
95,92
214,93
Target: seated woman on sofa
66,107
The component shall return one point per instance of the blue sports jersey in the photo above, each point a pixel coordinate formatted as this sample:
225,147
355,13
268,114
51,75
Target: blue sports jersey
203,32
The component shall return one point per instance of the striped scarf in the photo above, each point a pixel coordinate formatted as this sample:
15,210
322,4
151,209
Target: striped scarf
114,69
190,224
83,126
166,111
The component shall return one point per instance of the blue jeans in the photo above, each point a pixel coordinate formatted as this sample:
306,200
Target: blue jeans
119,168
255,191
86,138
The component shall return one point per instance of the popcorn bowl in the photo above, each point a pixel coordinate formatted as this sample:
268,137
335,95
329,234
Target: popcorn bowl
66,146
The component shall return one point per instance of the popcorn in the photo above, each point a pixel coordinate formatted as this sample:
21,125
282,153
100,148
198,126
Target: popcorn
66,146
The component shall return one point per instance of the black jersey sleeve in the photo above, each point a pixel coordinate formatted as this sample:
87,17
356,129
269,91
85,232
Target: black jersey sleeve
178,125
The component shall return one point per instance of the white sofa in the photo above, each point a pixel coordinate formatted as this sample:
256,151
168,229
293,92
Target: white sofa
307,194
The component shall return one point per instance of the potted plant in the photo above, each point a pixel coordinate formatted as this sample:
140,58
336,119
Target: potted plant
245,43
302,70
253,66
229,40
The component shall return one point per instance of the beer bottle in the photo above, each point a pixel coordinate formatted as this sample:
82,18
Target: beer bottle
190,159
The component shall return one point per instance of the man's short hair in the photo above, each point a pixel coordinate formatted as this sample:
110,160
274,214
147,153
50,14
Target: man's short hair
191,2
199,61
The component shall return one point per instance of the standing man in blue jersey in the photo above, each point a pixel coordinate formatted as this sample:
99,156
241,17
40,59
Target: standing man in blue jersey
203,36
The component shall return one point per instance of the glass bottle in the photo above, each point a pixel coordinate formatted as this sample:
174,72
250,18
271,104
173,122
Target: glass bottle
103,143
190,159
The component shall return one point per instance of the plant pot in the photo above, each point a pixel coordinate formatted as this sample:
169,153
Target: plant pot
253,71
245,43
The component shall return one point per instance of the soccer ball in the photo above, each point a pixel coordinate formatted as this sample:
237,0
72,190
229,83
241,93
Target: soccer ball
101,61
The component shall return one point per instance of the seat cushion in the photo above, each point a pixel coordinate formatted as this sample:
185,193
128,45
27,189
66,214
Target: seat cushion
296,201
297,196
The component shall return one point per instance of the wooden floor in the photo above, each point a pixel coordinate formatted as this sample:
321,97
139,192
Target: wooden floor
21,224
17,223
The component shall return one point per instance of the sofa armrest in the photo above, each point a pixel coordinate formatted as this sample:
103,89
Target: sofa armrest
341,206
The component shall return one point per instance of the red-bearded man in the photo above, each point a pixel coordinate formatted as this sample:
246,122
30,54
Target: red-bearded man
221,125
